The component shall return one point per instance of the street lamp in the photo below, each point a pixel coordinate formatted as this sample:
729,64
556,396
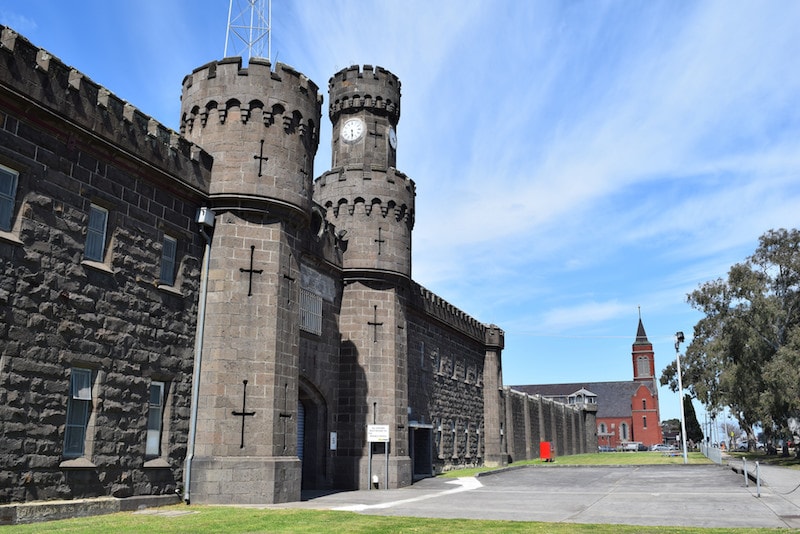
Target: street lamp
678,340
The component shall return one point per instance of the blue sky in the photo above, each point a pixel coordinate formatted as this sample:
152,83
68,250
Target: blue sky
574,160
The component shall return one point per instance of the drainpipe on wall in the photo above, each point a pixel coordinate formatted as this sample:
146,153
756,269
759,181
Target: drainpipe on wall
205,217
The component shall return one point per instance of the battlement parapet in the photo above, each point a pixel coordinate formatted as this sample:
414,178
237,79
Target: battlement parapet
284,95
222,92
372,88
435,306
35,76
259,70
367,190
359,171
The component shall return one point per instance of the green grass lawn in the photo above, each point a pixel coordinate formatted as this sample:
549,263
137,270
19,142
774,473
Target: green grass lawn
221,519
791,461
601,458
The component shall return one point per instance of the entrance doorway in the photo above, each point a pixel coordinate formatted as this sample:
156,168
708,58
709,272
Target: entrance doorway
421,447
311,437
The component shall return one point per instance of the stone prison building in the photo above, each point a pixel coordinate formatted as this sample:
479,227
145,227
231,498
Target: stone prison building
193,315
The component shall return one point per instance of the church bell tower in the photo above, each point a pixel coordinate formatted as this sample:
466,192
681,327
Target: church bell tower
643,357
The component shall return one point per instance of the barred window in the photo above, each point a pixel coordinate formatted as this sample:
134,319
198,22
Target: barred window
8,192
310,312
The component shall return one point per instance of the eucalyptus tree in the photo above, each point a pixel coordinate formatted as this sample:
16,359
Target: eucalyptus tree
745,352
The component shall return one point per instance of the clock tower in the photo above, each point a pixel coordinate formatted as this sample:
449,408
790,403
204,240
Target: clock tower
371,205
364,110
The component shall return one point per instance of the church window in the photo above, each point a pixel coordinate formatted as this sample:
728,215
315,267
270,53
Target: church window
644,421
422,354
623,431
169,252
602,428
8,193
644,404
643,366
79,403
310,312
96,233
155,414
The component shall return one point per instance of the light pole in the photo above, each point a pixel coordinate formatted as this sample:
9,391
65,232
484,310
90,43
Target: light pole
678,340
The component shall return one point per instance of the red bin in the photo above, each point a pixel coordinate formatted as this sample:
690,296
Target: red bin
545,451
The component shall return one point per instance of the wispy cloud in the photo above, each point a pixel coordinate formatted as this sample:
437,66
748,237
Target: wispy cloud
573,160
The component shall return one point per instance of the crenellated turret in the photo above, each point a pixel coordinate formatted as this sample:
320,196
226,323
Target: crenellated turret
261,126
370,202
374,210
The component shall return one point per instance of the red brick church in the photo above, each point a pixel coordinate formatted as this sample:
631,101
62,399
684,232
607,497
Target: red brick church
627,411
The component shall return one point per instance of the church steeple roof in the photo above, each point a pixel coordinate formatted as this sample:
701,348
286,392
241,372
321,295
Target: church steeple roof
641,335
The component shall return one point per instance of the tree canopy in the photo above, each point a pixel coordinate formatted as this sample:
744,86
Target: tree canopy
745,352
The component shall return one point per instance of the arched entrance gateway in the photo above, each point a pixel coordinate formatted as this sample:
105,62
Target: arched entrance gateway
311,433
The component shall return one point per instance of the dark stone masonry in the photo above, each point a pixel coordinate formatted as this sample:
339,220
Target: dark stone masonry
190,315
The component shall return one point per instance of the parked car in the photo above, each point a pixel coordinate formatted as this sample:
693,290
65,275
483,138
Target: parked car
660,447
635,446
606,448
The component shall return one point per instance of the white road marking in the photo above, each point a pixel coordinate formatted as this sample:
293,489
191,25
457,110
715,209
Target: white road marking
464,484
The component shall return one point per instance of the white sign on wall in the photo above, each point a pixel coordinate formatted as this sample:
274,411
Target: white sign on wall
377,433
333,441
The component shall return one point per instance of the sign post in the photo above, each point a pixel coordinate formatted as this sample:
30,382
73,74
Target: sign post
378,434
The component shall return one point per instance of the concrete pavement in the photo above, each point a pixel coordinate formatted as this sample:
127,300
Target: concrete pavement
665,495
778,487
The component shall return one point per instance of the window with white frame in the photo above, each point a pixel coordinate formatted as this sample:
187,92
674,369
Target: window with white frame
155,416
96,233
169,252
79,404
8,194
623,432
310,312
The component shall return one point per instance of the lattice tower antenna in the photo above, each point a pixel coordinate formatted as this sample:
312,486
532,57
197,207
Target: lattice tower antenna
249,28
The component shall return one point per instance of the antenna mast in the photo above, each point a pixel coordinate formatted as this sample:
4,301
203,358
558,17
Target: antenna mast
249,28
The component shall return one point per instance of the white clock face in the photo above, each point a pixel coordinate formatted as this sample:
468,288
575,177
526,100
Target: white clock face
352,130
392,138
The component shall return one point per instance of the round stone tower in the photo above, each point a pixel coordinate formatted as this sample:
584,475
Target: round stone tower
365,197
261,127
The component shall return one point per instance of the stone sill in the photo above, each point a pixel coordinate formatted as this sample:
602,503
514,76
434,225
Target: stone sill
77,463
172,290
9,237
97,266
156,463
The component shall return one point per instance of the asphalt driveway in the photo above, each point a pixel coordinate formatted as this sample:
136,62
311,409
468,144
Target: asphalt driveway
666,495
